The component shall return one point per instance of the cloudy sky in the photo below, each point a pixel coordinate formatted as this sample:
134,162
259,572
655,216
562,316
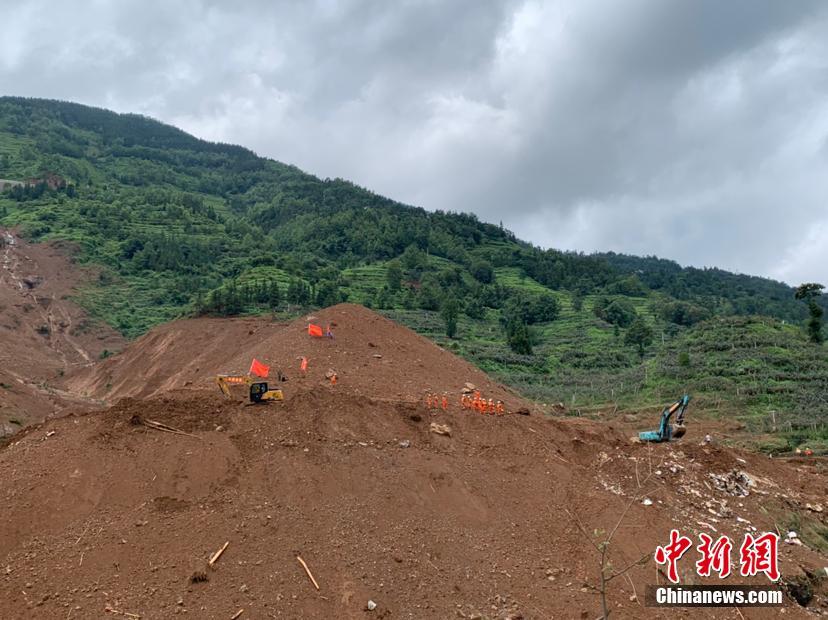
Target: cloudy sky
695,130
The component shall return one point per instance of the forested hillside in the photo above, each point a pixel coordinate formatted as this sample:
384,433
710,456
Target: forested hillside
177,225
725,292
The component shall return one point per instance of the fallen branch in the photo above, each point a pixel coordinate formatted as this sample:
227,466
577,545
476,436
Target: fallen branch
82,533
632,585
120,613
214,558
237,614
639,562
307,570
159,426
167,429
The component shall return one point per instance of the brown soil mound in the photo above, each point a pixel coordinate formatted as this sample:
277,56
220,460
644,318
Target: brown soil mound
43,333
121,509
371,355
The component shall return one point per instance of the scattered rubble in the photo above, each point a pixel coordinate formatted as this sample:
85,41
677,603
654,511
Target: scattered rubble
734,482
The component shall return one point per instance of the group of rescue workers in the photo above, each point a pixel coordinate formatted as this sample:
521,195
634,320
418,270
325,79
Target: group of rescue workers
467,401
482,405
435,402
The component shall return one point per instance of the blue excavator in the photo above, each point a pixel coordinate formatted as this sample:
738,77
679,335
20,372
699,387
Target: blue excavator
667,431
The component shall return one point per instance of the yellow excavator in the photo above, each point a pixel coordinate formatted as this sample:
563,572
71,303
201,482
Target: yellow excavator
259,391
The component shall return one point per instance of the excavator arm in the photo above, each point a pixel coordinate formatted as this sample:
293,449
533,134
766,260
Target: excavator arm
666,431
225,381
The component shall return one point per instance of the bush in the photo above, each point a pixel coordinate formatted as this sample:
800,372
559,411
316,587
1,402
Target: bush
618,311
517,336
449,311
475,308
639,335
629,286
580,358
430,294
683,313
393,275
533,308
482,271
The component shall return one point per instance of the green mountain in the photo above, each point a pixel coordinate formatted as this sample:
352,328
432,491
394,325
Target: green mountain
183,226
726,292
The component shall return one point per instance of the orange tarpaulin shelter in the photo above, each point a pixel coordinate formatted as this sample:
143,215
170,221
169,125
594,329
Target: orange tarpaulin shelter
315,330
259,369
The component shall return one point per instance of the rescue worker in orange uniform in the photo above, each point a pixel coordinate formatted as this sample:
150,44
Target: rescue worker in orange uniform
500,408
445,403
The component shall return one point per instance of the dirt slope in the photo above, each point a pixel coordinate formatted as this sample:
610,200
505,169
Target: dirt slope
471,524
371,355
43,333
479,524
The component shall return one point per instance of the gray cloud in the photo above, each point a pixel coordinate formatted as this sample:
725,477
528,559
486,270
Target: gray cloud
693,130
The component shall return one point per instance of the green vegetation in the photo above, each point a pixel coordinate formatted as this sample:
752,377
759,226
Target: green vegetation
810,293
177,226
640,335
450,311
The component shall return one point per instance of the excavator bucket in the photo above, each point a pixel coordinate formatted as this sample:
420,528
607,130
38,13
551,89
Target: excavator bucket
678,431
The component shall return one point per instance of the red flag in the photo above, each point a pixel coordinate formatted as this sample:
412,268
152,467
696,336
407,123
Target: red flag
257,368
314,330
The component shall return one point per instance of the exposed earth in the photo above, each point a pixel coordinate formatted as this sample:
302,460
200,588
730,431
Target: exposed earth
44,334
115,507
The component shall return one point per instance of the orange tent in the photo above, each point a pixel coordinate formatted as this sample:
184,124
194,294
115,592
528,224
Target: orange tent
315,330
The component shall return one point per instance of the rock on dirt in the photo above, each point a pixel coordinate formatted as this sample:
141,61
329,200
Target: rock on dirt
440,429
